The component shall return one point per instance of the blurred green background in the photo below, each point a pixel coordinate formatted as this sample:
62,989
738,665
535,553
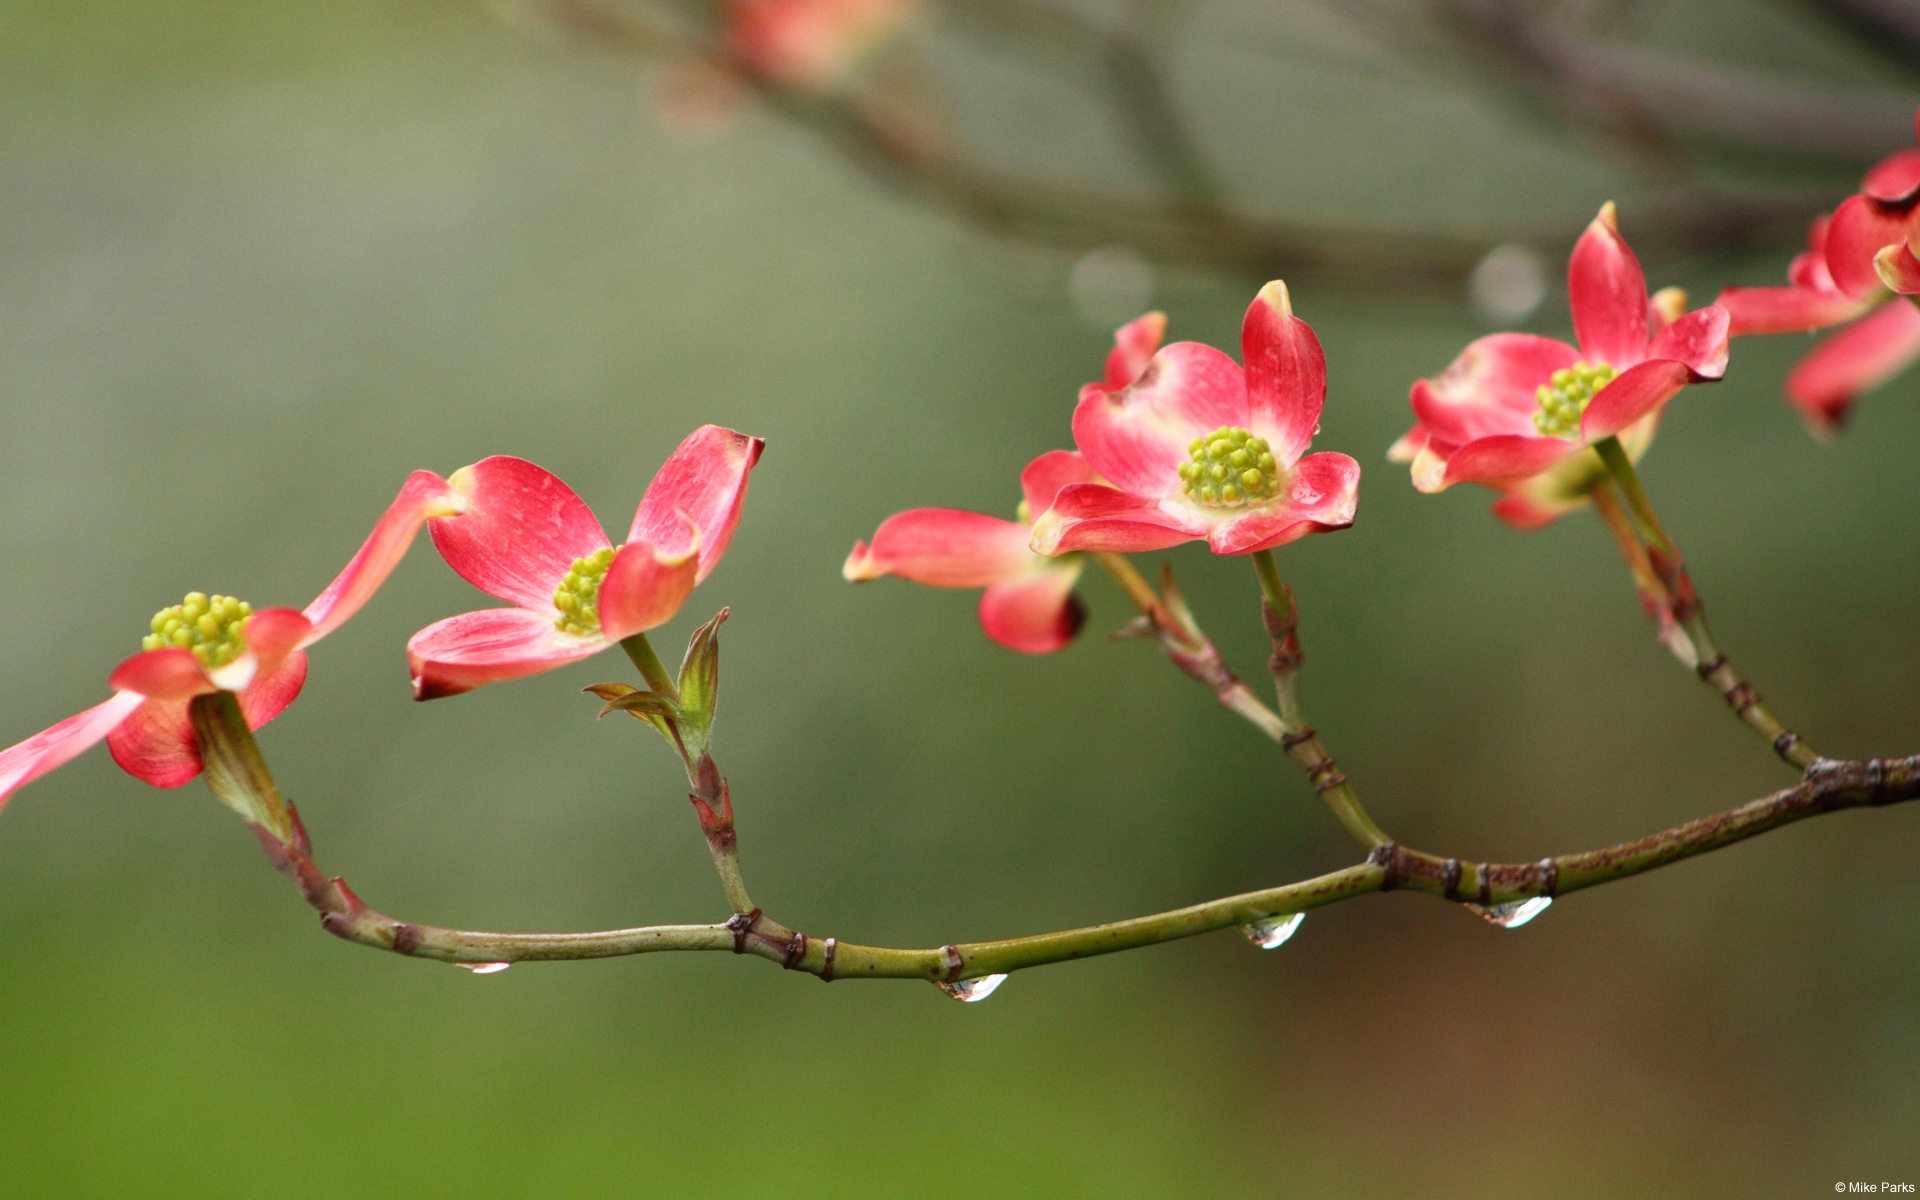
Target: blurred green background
258,262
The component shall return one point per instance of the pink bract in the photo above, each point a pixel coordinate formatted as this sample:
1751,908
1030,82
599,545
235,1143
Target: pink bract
1476,420
523,531
146,723
807,44
1881,335
1137,437
1873,235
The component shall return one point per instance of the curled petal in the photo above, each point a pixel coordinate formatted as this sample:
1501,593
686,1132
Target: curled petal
1091,517
1133,346
1635,393
1898,268
1608,293
520,533
272,635
1698,339
273,689
1894,178
1036,611
1046,475
1854,360
705,478
1322,492
24,762
1503,458
424,495
1286,372
169,673
1138,437
477,648
1786,309
1411,443
1492,388
156,743
644,587
943,547
1861,227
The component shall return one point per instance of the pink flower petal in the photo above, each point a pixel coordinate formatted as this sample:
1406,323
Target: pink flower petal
24,762
1046,475
1898,268
1528,513
644,587
1854,360
477,648
520,533
705,478
1323,491
1631,396
1286,373
1492,388
1608,293
155,744
1504,458
273,689
1894,178
1698,339
1861,227
1133,346
165,674
1411,443
943,547
1092,517
1785,309
1138,438
275,633
1036,611
423,495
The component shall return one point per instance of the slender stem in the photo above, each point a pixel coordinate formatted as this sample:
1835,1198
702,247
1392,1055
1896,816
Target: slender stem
1140,592
1662,560
235,771
640,650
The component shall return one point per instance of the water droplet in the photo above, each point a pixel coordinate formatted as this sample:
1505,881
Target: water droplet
493,968
1512,916
1270,933
973,990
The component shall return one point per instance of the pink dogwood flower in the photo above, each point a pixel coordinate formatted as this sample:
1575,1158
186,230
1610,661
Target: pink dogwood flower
808,44
1875,234
526,538
1029,603
207,644
1199,447
1519,413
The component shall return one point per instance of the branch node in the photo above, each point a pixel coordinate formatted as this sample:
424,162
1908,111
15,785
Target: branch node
796,950
1450,879
742,924
1706,669
406,937
1485,874
1784,744
1393,869
826,969
955,963
1549,873
1306,734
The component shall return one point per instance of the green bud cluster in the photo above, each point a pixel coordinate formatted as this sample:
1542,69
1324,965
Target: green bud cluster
578,596
212,628
1229,467
1564,398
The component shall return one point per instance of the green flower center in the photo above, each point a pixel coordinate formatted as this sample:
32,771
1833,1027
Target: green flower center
211,628
578,596
1229,467
1565,396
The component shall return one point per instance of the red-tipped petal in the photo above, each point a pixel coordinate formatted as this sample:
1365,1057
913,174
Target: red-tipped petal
1134,345
477,648
272,635
1898,269
1034,612
155,744
1091,517
644,587
169,673
705,478
943,547
1286,372
1854,360
1046,475
24,762
1503,458
1698,339
273,689
1526,513
1608,293
1492,388
1860,229
1322,492
1635,393
1138,437
520,533
1785,309
1895,178
424,495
